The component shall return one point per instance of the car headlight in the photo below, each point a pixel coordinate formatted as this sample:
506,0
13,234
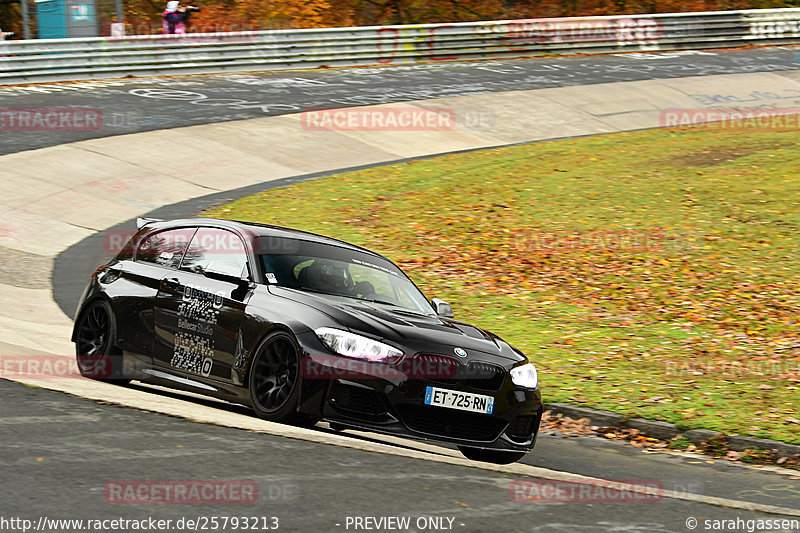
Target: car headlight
525,376
356,346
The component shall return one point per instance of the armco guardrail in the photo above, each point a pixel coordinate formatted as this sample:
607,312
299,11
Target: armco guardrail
149,55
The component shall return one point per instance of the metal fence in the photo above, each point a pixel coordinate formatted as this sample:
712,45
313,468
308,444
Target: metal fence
154,55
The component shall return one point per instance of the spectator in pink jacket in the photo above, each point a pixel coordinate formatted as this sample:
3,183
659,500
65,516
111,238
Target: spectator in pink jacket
173,20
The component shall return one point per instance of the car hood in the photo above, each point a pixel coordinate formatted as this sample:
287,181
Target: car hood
415,333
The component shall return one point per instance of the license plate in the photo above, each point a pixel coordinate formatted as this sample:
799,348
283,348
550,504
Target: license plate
464,401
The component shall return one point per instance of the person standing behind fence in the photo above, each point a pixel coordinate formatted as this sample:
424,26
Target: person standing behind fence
173,20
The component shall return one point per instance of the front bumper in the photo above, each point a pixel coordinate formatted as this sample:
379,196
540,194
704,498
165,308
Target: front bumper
387,398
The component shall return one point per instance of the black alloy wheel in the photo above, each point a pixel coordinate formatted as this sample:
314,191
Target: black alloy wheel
95,351
274,379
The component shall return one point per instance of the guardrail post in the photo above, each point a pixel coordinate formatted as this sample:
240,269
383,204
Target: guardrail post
26,24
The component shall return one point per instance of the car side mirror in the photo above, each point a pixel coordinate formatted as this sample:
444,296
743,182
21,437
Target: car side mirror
224,271
442,308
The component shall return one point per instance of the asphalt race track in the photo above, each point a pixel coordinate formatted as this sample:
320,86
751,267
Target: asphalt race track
147,104
65,451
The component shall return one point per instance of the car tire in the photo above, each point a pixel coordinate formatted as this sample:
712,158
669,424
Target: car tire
96,352
274,380
491,456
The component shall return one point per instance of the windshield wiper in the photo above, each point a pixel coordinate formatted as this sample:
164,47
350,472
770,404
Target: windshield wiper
373,300
351,296
318,291
399,308
378,301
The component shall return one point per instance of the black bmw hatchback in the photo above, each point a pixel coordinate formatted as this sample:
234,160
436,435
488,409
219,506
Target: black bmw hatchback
303,328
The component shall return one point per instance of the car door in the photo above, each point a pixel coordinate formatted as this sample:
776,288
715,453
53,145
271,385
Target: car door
198,314
138,283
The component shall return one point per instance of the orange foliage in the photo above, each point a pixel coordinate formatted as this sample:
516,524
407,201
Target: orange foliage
284,14
144,16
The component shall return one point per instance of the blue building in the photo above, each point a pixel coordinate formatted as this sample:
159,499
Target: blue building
59,19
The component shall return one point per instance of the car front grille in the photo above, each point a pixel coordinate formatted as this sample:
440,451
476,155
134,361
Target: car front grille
438,369
449,423
449,371
484,376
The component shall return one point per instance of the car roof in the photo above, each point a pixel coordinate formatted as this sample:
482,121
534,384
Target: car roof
260,230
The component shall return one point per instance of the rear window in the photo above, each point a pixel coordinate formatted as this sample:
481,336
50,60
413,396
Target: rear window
214,245
165,248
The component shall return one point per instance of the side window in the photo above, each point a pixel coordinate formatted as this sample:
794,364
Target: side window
165,248
211,245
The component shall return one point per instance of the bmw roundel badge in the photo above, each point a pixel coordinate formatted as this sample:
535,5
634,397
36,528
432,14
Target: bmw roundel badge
461,352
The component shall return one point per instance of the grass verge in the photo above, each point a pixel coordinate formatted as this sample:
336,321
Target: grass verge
651,273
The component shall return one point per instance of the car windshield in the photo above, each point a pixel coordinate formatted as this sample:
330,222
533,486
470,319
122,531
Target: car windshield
322,268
